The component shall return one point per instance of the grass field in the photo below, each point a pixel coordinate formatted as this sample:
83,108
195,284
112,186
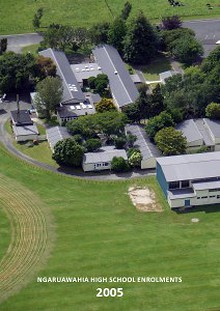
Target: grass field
151,71
16,16
99,233
4,232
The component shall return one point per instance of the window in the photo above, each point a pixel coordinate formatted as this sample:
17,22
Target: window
198,198
214,190
212,196
218,196
106,163
174,185
204,197
185,184
98,164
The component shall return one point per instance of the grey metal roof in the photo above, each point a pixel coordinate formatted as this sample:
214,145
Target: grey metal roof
147,148
189,130
71,88
135,78
106,154
214,127
84,71
191,166
205,132
181,193
25,130
206,185
55,134
78,110
21,117
122,87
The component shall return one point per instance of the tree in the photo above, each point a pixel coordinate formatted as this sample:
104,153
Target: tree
44,67
140,43
3,45
170,36
99,84
126,10
16,71
104,105
157,123
117,33
212,111
99,33
132,112
187,50
171,22
68,152
49,95
135,159
64,38
119,164
37,18
93,144
212,60
120,142
171,141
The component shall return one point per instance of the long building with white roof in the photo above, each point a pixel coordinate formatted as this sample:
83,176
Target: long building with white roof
190,180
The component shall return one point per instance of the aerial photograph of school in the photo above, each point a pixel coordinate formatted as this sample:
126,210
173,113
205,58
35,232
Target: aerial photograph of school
109,155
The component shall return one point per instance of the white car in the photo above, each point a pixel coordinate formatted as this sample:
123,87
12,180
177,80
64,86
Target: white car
217,42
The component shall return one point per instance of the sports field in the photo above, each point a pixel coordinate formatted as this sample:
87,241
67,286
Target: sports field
94,230
16,16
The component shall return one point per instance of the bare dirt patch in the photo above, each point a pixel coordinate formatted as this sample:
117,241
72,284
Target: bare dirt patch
144,199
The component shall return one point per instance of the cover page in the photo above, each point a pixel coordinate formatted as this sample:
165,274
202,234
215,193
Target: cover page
109,155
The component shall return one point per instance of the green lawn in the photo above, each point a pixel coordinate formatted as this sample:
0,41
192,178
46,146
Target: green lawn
151,72
17,16
99,233
4,231
33,49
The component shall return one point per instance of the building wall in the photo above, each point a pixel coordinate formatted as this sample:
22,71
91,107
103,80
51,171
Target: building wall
89,167
149,163
217,147
161,179
26,137
203,197
195,144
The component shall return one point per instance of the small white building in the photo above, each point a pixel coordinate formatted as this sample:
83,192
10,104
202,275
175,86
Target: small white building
148,150
55,134
101,160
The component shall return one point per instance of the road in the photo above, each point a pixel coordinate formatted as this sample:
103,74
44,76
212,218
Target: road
17,42
207,32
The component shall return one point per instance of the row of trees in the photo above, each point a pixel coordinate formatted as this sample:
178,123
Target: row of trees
19,72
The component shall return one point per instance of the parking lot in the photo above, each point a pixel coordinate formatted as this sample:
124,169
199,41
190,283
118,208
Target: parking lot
207,32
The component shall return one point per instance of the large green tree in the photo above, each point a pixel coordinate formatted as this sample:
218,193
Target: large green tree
140,43
68,152
171,141
49,95
105,104
213,111
16,71
157,123
116,34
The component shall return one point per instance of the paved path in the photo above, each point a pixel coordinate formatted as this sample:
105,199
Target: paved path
207,32
17,42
